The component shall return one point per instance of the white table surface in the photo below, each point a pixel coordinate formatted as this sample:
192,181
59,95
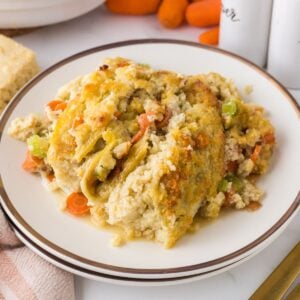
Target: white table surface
99,27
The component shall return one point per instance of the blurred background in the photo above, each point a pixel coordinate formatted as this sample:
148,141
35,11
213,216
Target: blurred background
265,32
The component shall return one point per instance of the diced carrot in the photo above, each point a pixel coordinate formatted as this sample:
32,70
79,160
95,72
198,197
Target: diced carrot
31,163
57,105
255,154
269,138
253,205
77,204
144,123
231,166
52,104
61,106
50,177
210,37
77,121
204,13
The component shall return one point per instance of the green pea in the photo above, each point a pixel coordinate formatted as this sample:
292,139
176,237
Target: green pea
38,146
229,108
237,183
223,185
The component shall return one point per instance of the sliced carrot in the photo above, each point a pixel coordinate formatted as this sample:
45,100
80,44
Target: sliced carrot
269,138
55,105
255,154
137,136
210,37
165,121
253,205
31,163
77,204
144,123
77,121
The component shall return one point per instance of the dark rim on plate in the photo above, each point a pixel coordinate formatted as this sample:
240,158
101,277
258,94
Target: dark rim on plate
10,209
99,274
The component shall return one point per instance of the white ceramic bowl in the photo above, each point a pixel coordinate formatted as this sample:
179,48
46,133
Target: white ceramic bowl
33,13
226,240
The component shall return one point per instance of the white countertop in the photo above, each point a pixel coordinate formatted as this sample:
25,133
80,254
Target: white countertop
97,28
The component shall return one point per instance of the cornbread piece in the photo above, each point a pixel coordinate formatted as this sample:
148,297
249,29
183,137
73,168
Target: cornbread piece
17,65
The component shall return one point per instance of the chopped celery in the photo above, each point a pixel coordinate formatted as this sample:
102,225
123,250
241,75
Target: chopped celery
229,107
223,185
38,146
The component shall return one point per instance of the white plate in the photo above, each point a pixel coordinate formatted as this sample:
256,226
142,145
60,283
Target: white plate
110,278
32,13
125,280
114,279
228,239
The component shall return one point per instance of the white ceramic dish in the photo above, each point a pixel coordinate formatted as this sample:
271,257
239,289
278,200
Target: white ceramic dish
125,280
226,240
33,13
114,279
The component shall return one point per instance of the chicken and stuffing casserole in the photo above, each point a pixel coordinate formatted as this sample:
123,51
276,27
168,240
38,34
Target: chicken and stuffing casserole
145,150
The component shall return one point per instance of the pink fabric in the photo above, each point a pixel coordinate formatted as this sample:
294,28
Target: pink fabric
24,275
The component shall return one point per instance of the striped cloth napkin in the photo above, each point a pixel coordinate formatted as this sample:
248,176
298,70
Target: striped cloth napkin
24,275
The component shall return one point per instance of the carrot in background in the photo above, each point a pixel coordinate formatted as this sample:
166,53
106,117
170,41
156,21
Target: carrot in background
210,37
171,13
204,13
132,7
